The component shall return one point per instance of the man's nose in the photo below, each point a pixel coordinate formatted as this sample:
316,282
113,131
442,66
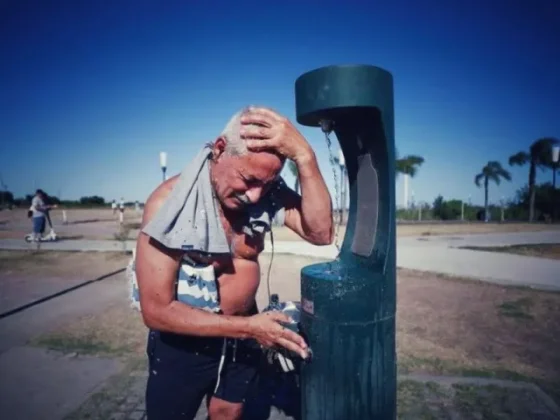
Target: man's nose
254,194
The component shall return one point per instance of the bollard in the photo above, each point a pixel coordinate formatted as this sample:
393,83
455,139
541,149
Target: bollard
64,217
348,305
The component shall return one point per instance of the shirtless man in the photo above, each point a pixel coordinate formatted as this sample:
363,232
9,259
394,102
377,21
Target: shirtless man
195,353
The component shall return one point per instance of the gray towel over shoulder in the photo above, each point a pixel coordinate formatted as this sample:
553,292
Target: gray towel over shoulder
189,219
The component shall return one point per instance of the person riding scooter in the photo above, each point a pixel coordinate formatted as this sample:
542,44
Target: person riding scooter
39,213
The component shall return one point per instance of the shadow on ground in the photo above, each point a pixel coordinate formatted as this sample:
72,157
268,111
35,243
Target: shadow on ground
276,395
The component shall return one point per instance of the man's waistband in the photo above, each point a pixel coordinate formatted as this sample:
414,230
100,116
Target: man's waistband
197,344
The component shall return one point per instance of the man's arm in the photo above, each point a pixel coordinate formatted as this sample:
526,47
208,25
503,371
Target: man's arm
309,215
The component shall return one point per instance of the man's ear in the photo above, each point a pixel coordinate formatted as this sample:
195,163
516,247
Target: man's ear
219,148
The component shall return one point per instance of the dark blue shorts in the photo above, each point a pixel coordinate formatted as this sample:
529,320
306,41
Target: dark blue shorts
184,369
38,224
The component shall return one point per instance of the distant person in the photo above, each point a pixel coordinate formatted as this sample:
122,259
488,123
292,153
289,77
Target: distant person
114,206
39,213
121,211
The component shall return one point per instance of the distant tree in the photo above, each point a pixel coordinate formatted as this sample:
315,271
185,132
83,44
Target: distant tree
492,171
52,199
408,165
545,198
93,200
446,210
6,198
539,156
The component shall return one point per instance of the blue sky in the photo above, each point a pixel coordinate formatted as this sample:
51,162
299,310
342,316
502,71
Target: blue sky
92,91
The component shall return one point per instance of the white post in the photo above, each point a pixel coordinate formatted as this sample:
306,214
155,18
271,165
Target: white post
502,202
163,164
405,191
121,217
64,218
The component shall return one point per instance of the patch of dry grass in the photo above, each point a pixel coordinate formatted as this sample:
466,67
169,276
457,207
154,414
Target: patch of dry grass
59,263
438,229
478,329
118,331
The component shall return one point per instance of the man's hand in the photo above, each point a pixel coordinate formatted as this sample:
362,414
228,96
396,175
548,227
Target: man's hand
265,328
275,133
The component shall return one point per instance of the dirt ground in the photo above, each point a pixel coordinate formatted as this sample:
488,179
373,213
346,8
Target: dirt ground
550,251
103,224
435,229
444,326
29,275
81,223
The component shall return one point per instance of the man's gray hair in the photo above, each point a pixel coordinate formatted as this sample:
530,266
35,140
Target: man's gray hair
231,133
235,145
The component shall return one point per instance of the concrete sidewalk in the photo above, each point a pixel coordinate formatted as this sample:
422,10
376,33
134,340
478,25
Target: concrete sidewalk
441,254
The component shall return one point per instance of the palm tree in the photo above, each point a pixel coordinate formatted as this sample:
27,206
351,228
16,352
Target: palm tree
539,156
294,170
493,171
408,165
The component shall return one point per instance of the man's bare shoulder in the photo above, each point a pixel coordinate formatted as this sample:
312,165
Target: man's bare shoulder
157,198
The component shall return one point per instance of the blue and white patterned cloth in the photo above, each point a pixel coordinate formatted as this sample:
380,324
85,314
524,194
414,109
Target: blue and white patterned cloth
196,286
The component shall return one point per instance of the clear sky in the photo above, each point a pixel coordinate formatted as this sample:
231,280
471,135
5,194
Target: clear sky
92,91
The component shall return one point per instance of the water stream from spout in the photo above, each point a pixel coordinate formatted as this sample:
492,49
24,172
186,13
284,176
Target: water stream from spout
337,195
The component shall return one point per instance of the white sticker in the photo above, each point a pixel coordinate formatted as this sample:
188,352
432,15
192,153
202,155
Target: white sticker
307,306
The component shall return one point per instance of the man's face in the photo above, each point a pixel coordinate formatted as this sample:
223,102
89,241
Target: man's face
243,180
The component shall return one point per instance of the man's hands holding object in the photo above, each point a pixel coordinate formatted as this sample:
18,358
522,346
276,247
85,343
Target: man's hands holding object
286,349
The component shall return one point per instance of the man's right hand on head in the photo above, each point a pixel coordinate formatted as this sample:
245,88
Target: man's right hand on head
267,330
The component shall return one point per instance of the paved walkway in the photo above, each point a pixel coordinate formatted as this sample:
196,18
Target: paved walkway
440,254
129,403
39,384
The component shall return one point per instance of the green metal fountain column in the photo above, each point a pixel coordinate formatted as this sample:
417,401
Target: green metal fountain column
348,305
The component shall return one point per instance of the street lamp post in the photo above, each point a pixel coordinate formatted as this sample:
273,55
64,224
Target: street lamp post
163,164
555,158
